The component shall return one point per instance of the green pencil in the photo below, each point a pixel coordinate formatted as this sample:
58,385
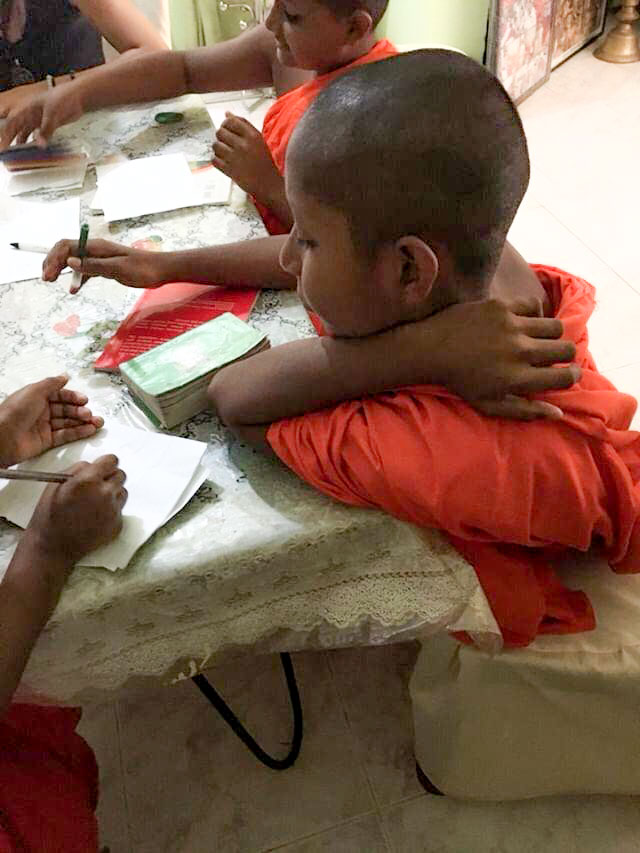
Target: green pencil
77,280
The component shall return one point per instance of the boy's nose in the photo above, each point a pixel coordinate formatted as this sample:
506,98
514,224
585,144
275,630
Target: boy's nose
290,255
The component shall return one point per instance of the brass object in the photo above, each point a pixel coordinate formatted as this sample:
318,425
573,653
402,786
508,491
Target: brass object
621,45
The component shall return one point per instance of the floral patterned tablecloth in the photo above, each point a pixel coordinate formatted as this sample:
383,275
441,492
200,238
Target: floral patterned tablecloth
257,560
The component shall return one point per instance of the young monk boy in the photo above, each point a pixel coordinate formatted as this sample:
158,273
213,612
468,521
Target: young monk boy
401,209
48,775
326,37
303,41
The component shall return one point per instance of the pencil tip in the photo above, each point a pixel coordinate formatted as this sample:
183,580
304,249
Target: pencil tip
15,245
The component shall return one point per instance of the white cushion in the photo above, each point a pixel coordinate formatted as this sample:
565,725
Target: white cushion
559,717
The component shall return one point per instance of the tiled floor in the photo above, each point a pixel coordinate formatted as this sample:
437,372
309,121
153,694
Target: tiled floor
174,780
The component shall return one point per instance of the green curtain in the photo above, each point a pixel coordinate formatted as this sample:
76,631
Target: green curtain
199,22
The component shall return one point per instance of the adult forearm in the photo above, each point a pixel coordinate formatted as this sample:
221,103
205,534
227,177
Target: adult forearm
308,375
139,77
251,263
29,593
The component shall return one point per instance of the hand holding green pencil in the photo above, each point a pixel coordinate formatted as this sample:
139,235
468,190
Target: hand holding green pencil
77,280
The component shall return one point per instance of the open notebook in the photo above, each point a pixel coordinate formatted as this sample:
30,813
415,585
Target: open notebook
163,474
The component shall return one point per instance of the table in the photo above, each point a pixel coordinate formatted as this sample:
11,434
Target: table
257,561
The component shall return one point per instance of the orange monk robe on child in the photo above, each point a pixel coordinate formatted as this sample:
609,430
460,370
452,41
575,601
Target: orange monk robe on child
426,457
284,115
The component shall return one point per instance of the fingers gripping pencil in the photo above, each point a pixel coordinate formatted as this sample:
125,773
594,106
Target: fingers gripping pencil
77,280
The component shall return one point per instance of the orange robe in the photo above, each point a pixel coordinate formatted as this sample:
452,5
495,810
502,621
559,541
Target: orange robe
507,493
48,783
284,115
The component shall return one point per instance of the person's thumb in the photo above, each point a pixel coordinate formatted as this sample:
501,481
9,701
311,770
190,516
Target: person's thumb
52,384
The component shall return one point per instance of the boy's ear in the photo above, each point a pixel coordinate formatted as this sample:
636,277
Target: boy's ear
360,25
417,269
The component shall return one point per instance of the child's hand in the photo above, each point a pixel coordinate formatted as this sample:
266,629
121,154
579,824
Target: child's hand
490,354
78,516
40,416
242,154
131,267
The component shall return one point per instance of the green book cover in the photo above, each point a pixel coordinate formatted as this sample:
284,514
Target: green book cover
191,355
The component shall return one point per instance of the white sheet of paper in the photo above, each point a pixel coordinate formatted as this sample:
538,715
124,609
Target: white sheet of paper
163,474
214,185
42,223
146,185
56,178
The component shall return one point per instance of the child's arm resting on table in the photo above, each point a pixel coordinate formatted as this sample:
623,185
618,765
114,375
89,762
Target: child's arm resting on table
481,351
250,263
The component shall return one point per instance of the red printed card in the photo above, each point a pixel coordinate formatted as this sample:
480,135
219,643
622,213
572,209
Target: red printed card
166,312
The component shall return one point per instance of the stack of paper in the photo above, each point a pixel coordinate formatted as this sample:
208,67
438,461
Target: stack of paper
56,178
163,474
154,185
170,381
36,223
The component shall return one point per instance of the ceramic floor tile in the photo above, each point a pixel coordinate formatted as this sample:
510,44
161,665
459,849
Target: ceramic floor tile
360,836
613,328
562,825
98,727
373,685
193,787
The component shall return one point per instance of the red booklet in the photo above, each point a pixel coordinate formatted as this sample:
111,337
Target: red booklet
166,312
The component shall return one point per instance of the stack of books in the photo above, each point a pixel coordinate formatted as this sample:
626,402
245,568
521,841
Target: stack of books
170,381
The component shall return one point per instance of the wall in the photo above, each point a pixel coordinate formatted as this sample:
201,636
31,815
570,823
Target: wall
456,23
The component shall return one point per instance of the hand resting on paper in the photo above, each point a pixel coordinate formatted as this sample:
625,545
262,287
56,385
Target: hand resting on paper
131,267
43,415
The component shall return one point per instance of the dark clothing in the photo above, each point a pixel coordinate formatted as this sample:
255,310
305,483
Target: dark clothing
57,39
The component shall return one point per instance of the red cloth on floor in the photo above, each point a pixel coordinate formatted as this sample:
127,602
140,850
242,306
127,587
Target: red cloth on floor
284,115
48,783
507,493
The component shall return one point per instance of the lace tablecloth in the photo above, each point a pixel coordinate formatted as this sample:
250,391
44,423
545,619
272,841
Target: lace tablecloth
257,560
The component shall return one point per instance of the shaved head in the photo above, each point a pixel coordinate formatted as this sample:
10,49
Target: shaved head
427,143
343,8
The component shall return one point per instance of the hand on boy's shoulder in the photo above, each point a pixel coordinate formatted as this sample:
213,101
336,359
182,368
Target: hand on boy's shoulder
490,356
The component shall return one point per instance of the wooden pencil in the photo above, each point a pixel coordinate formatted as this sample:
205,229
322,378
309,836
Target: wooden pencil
39,476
